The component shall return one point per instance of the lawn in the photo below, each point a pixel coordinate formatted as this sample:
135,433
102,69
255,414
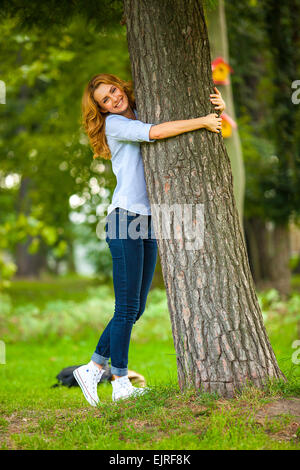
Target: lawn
47,326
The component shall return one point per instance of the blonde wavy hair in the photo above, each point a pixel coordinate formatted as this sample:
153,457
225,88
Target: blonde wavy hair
93,119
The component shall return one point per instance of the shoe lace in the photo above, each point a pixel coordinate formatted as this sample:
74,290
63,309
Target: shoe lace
126,385
97,374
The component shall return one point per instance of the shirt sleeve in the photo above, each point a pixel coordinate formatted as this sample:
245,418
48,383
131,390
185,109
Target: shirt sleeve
132,130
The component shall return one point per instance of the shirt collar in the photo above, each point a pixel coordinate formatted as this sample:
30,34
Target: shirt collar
134,110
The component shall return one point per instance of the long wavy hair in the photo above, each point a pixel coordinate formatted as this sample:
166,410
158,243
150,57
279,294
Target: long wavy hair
93,119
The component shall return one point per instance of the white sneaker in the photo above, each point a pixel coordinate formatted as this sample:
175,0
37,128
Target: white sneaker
87,377
123,388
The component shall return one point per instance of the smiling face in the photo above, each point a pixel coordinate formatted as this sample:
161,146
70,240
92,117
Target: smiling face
111,99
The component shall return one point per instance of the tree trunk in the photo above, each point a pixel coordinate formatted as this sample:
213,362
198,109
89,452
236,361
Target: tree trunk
70,257
269,251
217,34
218,331
259,251
279,268
28,264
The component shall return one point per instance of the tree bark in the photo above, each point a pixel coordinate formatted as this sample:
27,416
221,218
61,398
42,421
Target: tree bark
219,336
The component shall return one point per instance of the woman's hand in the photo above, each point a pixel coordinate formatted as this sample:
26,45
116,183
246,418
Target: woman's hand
213,122
217,100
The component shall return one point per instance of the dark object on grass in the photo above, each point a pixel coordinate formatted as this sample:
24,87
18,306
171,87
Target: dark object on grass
66,377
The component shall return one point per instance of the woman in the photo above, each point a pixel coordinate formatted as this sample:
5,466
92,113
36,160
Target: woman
111,122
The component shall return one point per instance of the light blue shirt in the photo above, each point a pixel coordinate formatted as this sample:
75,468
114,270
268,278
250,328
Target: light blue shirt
123,136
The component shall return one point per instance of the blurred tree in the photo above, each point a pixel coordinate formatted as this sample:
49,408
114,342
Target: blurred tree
282,21
272,191
217,34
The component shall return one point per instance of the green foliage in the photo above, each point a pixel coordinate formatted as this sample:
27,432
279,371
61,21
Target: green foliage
261,167
7,270
294,261
61,317
50,15
42,145
264,53
210,4
271,304
15,230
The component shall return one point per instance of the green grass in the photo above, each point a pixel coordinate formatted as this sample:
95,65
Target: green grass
39,293
35,416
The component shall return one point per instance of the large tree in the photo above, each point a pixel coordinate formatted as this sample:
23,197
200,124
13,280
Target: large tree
219,335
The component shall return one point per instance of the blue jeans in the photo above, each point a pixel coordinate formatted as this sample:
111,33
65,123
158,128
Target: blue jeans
134,255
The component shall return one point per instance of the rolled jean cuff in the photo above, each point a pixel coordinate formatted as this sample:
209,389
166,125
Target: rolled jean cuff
118,371
101,360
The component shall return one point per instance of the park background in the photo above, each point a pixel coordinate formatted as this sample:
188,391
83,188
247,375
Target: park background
56,291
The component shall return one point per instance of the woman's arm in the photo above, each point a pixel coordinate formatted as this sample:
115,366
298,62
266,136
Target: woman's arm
211,122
